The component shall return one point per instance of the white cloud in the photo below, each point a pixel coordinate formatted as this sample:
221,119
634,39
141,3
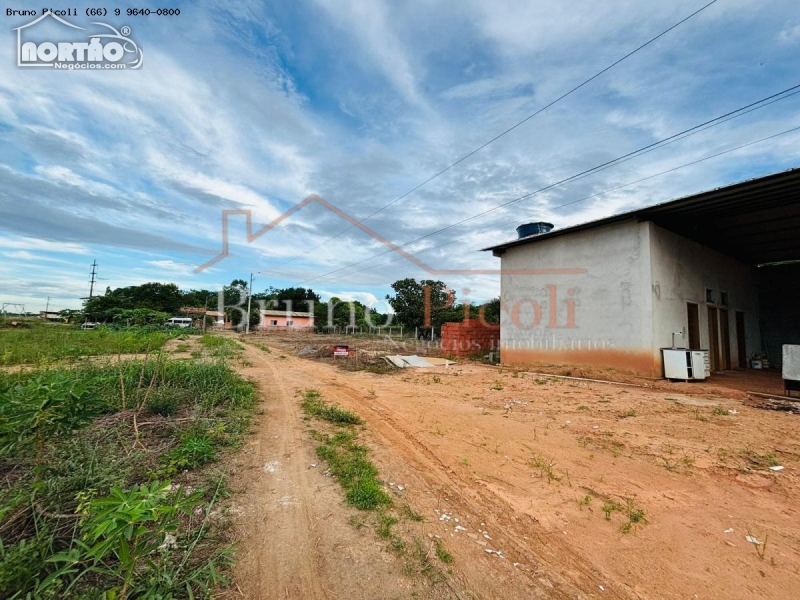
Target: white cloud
172,266
28,243
367,100
366,298
790,35
20,254
63,175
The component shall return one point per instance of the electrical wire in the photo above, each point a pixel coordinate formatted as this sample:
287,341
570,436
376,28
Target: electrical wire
766,101
503,133
606,191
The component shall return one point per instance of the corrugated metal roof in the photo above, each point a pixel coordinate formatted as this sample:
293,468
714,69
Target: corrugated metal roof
286,313
756,221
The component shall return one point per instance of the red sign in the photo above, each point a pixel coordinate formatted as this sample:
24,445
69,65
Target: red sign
341,350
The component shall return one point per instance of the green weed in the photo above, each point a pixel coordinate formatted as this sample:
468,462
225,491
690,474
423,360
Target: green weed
442,554
313,405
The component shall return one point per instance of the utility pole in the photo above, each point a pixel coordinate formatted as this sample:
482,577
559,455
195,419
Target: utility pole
91,283
249,299
47,309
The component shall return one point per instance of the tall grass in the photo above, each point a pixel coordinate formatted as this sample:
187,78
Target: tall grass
41,344
94,500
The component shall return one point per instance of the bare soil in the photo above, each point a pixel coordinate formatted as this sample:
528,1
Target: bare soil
526,463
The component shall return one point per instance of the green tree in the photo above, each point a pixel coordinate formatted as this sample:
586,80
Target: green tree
410,300
235,296
491,312
301,299
161,297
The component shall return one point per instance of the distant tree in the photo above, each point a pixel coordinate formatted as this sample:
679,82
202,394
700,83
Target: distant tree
200,299
70,315
491,312
235,296
279,298
160,297
409,301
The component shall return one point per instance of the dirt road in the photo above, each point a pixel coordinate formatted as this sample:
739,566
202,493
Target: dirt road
578,490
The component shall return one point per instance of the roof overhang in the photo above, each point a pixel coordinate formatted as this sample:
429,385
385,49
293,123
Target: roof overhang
756,221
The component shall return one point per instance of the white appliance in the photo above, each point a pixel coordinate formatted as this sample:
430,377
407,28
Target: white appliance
680,363
791,368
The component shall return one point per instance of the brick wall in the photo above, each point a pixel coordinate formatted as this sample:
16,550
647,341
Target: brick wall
468,338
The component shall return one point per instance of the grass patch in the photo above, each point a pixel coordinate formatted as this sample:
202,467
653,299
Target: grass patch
347,460
442,554
758,460
384,525
407,512
634,515
546,467
97,504
39,345
314,406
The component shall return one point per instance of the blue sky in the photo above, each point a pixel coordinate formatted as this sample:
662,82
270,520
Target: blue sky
257,106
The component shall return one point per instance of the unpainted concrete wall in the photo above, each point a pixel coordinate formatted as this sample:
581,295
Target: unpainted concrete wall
681,272
601,318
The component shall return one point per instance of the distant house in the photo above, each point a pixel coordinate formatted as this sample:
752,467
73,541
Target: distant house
50,316
217,316
717,271
289,320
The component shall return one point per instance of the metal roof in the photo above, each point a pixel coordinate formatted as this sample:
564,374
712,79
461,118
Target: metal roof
286,313
756,221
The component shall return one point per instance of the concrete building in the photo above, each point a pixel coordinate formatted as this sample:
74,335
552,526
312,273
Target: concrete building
718,270
286,320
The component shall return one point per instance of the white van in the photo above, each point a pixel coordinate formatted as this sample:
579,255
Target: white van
179,322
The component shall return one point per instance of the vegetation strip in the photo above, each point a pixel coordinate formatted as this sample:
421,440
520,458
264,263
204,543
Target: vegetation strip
347,461
112,476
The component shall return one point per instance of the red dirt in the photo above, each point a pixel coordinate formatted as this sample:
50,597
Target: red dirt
474,442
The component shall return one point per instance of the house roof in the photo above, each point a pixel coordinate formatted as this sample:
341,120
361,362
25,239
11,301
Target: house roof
756,221
286,313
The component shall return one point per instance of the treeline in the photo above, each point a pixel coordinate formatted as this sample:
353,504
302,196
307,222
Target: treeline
416,304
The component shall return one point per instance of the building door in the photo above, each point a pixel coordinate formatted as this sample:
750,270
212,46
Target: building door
713,338
740,343
694,325
725,337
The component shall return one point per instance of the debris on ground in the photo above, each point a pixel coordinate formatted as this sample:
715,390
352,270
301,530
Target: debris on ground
776,468
403,362
307,351
170,542
753,540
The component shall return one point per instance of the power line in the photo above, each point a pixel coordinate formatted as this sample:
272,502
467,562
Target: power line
601,167
606,191
505,132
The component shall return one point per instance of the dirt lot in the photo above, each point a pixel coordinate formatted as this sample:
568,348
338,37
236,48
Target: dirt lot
586,490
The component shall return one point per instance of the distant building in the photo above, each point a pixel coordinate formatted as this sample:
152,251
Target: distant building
289,320
217,316
50,316
718,271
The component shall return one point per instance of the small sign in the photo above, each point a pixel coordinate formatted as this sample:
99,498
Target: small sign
341,350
